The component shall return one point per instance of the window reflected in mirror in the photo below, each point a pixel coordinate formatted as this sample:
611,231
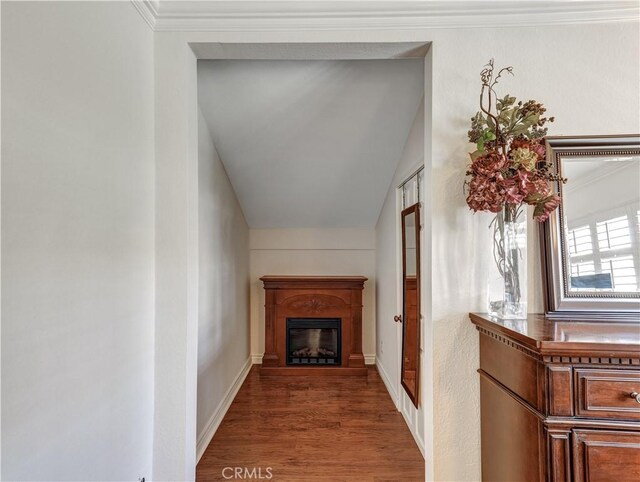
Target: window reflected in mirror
602,223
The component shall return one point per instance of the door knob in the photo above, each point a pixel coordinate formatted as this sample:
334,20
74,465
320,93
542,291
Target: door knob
397,319
635,396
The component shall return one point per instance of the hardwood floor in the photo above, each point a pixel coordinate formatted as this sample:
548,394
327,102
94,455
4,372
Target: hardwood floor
325,429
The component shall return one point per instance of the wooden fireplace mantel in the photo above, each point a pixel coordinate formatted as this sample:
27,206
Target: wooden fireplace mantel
313,297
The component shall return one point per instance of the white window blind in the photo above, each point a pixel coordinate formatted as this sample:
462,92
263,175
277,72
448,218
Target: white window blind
609,246
582,269
614,233
622,271
580,240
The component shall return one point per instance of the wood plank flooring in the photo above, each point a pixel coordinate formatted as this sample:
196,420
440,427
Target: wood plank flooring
325,429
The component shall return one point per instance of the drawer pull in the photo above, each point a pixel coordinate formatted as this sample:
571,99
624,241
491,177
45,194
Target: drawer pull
635,396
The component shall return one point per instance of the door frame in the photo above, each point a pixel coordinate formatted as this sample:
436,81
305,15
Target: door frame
176,141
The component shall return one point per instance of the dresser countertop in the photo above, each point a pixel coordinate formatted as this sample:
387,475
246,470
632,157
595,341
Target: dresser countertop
566,338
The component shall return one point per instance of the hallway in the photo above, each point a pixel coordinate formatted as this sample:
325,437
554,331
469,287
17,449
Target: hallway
326,429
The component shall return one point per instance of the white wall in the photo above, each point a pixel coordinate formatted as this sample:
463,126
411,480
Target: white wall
587,75
77,242
591,88
312,252
223,315
177,258
389,275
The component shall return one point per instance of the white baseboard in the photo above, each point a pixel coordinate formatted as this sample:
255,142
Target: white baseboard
396,400
214,422
387,383
412,427
256,359
420,444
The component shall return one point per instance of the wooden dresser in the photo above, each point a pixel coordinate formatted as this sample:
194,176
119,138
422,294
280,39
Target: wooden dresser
560,400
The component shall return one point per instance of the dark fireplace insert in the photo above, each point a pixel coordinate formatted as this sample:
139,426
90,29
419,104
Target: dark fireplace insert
314,341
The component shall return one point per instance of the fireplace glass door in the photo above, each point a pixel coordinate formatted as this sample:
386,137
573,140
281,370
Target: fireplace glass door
313,341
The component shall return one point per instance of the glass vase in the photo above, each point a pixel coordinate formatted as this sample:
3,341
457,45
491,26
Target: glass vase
508,282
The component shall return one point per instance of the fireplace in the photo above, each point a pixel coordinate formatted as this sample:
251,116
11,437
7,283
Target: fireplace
313,325
314,341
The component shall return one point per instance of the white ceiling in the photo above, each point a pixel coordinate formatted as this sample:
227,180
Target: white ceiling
310,143
580,171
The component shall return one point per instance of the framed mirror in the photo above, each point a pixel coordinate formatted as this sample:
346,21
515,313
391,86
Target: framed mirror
591,244
410,370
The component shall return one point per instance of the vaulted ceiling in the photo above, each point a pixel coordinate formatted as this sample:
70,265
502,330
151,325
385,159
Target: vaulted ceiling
310,143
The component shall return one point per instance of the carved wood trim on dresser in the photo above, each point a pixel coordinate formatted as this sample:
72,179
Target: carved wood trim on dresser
557,400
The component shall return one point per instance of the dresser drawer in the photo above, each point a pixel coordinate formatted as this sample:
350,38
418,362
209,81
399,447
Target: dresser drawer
607,393
606,456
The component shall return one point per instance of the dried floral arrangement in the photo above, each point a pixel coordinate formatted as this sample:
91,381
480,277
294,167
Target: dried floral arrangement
509,168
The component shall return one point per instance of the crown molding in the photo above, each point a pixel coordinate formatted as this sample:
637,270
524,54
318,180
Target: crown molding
146,11
305,15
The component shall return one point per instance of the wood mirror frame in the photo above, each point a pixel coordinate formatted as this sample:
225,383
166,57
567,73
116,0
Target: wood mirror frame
410,369
560,301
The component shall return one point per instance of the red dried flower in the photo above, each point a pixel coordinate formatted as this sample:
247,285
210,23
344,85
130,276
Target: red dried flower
538,147
512,190
485,195
545,207
489,164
